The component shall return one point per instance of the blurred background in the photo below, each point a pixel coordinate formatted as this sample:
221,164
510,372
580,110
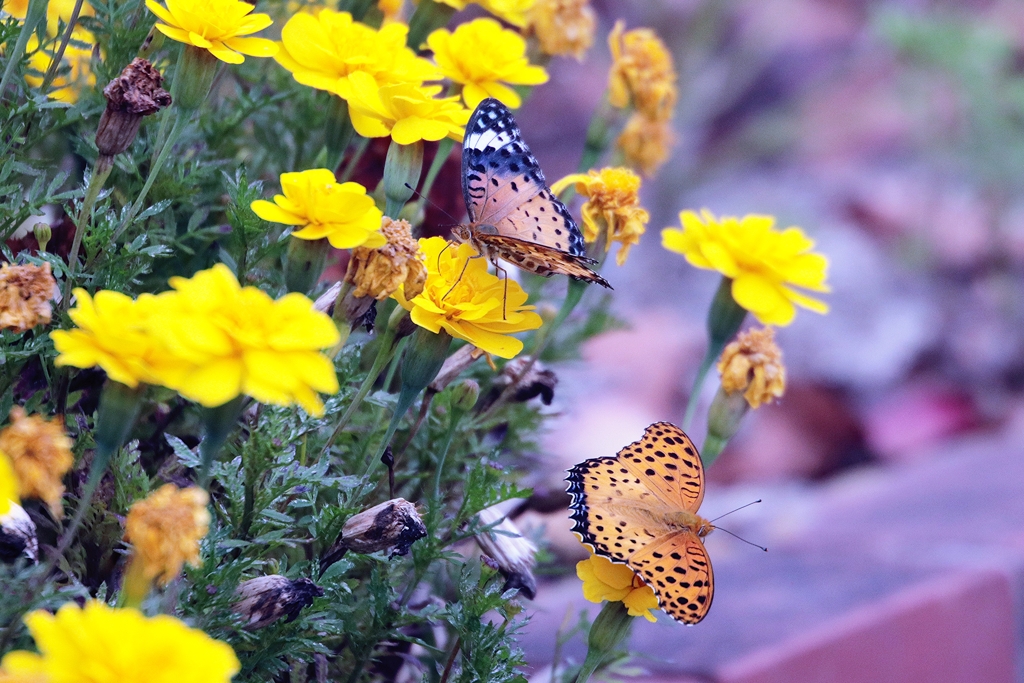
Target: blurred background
892,133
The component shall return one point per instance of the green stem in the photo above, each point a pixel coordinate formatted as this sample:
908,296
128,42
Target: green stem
691,404
609,630
51,72
339,131
100,173
36,12
387,345
598,135
444,150
353,162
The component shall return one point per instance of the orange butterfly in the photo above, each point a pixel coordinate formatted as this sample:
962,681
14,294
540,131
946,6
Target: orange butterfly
640,509
513,213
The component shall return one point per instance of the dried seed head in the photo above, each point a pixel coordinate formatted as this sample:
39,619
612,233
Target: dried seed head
393,525
514,554
18,536
528,381
130,96
265,599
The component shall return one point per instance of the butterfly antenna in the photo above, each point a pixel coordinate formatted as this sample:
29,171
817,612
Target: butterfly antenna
760,547
433,204
736,510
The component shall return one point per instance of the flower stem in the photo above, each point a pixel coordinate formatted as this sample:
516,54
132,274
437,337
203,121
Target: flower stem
607,633
100,173
339,131
598,135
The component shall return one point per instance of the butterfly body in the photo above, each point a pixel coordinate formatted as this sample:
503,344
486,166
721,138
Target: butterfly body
639,508
513,214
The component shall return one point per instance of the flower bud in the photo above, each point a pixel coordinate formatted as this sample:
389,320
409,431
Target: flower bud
465,395
724,417
394,525
18,536
130,96
194,77
514,554
265,599
402,169
43,232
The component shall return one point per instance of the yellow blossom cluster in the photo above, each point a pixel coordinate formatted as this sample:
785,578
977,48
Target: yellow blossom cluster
606,580
40,454
764,264
643,76
210,339
461,297
323,208
102,644
612,211
165,529
512,11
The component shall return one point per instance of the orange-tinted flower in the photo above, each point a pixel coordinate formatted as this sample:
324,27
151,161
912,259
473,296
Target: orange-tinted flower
41,455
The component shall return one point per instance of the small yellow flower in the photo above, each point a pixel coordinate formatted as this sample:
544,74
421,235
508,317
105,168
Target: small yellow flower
380,272
41,455
237,340
102,644
69,81
646,143
469,302
753,364
117,334
25,293
324,50
407,112
605,580
763,263
8,484
511,11
218,26
642,72
563,27
483,57
612,210
314,200
165,529
56,12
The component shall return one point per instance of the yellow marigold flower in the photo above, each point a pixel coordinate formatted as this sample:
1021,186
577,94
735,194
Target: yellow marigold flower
407,112
323,51
237,340
343,213
101,644
642,72
763,263
483,57
66,85
511,11
753,364
605,580
218,26
469,302
117,334
563,27
380,272
41,455
56,12
165,529
8,484
25,293
646,143
612,209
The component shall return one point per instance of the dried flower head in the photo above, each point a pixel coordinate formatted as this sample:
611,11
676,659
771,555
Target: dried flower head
25,294
612,210
379,272
135,93
753,364
563,27
642,72
393,525
265,599
18,537
514,554
528,379
165,529
41,455
646,143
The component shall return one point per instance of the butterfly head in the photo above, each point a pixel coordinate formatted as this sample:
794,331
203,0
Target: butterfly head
684,519
462,233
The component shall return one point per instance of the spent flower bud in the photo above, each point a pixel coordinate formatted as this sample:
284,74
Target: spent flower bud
130,96
393,525
514,554
265,599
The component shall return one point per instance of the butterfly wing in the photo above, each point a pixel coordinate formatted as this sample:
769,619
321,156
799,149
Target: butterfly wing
666,461
504,186
539,259
678,568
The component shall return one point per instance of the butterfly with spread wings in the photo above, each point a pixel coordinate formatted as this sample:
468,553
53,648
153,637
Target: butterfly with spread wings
513,213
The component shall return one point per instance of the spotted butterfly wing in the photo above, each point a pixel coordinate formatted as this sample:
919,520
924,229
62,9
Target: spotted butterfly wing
639,508
513,213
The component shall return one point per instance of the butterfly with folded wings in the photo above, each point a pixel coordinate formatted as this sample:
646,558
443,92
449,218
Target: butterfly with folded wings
513,214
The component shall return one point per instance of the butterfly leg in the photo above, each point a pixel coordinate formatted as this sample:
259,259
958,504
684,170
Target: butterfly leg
456,283
504,277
